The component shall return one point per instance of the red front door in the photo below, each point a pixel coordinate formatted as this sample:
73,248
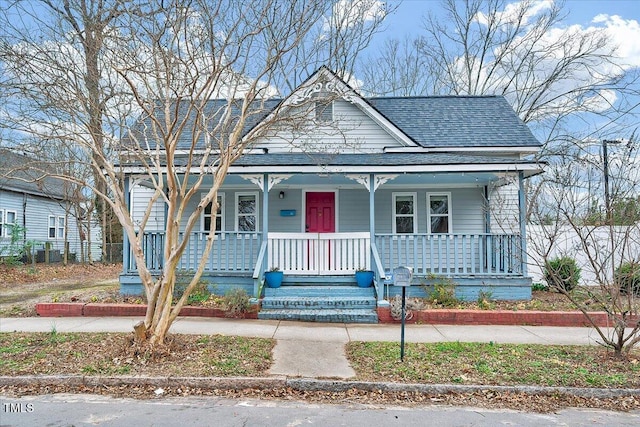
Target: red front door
321,212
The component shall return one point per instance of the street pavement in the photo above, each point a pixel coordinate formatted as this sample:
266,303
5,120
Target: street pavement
315,350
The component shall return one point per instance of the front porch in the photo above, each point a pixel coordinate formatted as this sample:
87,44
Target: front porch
239,259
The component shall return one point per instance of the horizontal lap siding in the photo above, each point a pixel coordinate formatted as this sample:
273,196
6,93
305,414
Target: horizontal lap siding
354,210
33,213
140,197
505,209
352,131
467,205
292,201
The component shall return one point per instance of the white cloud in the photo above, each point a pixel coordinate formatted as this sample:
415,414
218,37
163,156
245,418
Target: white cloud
567,91
511,11
349,13
625,34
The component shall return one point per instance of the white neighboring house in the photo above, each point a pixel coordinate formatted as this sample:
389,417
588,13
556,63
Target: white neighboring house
41,209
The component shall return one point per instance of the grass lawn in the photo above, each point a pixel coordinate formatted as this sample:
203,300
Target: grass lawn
494,364
224,356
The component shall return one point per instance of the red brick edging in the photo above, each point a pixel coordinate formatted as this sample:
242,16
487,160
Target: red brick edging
61,309
438,317
500,317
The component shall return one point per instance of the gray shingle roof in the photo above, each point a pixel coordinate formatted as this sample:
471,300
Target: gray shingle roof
430,121
457,121
17,174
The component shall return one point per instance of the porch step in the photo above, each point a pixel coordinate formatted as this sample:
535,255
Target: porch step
309,303
328,316
320,303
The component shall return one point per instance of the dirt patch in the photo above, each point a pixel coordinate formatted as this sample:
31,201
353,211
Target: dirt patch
22,287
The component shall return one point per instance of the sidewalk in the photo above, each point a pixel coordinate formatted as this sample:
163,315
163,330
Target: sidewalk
299,344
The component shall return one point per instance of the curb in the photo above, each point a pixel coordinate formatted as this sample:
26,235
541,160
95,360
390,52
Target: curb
308,384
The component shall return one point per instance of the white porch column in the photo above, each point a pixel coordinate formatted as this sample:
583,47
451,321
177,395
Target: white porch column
372,213
126,255
265,206
522,204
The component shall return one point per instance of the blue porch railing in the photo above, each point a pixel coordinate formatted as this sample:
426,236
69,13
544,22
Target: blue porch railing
452,254
232,251
438,254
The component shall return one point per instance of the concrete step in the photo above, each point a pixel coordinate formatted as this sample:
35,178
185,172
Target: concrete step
319,291
309,303
326,315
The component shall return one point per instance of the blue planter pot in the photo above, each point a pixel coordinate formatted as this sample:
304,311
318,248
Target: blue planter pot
274,278
364,278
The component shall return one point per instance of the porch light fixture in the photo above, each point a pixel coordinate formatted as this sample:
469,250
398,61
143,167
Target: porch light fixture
281,195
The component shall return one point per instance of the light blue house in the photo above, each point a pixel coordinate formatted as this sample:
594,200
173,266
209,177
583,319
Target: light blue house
434,183
41,209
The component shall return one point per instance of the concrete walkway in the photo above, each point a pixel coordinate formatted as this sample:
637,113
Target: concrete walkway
314,350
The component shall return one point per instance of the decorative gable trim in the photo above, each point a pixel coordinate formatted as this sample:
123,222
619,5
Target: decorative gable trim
325,80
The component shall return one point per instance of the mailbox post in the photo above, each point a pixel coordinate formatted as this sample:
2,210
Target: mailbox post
402,277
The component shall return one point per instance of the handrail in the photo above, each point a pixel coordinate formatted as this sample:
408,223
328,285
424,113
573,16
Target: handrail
258,271
378,270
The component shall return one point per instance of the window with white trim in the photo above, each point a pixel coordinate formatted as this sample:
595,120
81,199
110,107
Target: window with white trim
56,227
7,221
404,213
439,213
217,218
247,211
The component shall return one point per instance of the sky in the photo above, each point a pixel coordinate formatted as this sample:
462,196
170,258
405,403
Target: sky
620,18
408,17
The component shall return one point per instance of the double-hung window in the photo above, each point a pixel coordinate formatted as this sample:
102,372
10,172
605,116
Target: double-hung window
10,218
439,212
209,217
404,213
247,211
56,227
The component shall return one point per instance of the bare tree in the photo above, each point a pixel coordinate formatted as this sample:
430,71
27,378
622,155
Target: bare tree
605,246
56,49
554,76
549,72
183,89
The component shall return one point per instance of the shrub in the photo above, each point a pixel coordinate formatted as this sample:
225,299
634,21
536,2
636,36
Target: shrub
485,299
199,294
627,276
444,294
537,286
562,273
236,302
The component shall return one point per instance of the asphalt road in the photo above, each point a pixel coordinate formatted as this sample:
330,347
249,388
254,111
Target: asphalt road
91,410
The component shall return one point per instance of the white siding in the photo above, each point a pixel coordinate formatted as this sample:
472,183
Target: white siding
504,209
352,131
140,197
33,212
